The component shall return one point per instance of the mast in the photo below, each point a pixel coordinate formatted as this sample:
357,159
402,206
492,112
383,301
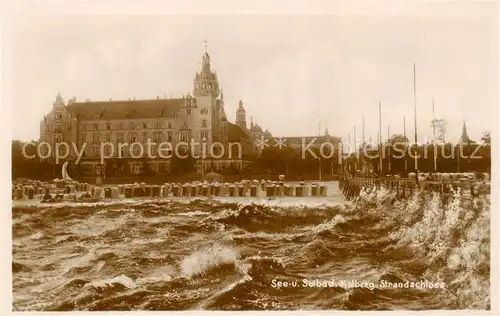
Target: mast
354,137
434,149
433,121
363,149
319,156
355,150
378,145
349,150
363,128
389,155
380,136
349,142
415,117
404,133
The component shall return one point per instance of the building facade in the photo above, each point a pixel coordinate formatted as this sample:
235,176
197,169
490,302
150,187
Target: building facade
121,130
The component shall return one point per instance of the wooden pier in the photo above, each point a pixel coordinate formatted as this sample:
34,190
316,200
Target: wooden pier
351,187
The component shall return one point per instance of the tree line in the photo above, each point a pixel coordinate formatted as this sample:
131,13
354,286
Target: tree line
397,158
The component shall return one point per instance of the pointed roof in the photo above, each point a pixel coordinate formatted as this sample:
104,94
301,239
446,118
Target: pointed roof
59,99
240,107
465,137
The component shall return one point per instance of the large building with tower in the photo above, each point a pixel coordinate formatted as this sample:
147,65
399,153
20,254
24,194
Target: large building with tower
199,117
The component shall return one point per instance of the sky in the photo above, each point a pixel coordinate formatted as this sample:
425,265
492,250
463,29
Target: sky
296,74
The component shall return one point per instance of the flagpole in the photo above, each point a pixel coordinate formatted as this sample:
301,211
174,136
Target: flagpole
363,129
415,117
355,150
363,149
389,155
319,156
380,136
404,133
434,136
349,142
349,150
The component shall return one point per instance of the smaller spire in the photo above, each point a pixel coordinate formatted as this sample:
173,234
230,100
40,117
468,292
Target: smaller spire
251,121
240,106
59,99
465,137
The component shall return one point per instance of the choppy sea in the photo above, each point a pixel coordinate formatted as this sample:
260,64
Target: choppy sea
371,254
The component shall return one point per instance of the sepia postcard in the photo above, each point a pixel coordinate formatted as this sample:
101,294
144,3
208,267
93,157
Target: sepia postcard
304,160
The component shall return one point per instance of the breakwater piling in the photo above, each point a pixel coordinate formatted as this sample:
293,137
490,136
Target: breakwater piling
444,184
73,191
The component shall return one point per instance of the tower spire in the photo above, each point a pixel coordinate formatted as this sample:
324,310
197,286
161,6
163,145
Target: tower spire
465,137
205,81
241,119
206,45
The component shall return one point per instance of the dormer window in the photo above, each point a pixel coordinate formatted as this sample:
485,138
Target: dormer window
108,126
144,125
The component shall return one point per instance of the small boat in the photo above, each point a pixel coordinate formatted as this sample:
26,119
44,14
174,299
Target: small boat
64,173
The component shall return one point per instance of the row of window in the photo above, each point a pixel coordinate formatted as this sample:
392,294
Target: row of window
55,138
135,125
203,111
204,85
95,151
134,137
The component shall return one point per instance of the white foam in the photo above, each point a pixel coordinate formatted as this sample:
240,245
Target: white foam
121,279
207,258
